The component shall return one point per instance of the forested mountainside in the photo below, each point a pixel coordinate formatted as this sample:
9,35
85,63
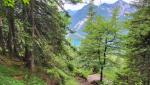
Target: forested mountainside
105,10
35,49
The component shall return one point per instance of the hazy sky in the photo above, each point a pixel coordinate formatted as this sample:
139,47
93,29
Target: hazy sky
96,2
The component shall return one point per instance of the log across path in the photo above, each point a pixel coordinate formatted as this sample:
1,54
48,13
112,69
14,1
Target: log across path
90,79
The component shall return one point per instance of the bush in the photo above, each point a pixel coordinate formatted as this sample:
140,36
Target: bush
71,81
70,67
82,72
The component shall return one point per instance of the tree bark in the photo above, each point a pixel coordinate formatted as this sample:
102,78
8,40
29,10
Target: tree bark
28,15
28,52
27,57
32,66
11,26
104,61
11,43
101,74
2,37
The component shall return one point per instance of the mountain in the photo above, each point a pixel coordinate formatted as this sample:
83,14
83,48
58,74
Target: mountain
78,18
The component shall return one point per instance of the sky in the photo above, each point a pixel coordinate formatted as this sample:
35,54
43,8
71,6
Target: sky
78,6
97,2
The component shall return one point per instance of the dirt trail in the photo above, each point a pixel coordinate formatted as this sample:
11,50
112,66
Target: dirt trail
90,79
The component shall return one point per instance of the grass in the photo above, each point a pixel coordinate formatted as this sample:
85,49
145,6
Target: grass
110,73
82,72
6,74
14,76
63,77
71,81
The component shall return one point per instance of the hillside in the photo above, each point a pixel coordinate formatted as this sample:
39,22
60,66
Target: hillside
74,42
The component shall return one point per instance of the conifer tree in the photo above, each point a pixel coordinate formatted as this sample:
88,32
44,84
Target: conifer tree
99,40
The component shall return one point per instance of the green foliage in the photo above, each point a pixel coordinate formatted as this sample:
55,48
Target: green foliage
37,31
23,37
98,31
70,67
71,81
61,76
75,1
33,81
7,77
8,71
82,72
10,81
137,52
102,46
9,3
25,2
57,73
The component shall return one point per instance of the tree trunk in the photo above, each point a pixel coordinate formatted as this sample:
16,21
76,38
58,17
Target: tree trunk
27,57
28,53
104,61
11,42
32,66
1,36
11,27
101,74
100,69
28,15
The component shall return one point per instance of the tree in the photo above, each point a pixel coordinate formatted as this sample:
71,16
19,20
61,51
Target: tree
74,1
138,42
32,25
100,39
34,32
47,30
8,9
1,26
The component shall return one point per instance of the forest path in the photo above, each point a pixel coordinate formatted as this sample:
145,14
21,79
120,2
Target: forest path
90,79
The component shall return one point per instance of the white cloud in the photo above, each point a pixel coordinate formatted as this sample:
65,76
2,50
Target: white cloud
130,1
78,6
97,2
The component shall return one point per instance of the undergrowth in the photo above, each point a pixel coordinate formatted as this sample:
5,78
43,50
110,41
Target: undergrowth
13,76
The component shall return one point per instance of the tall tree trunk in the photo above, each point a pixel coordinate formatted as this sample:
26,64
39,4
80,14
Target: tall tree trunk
1,24
104,61
28,52
1,36
27,57
11,43
32,66
101,74
11,26
28,15
100,64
